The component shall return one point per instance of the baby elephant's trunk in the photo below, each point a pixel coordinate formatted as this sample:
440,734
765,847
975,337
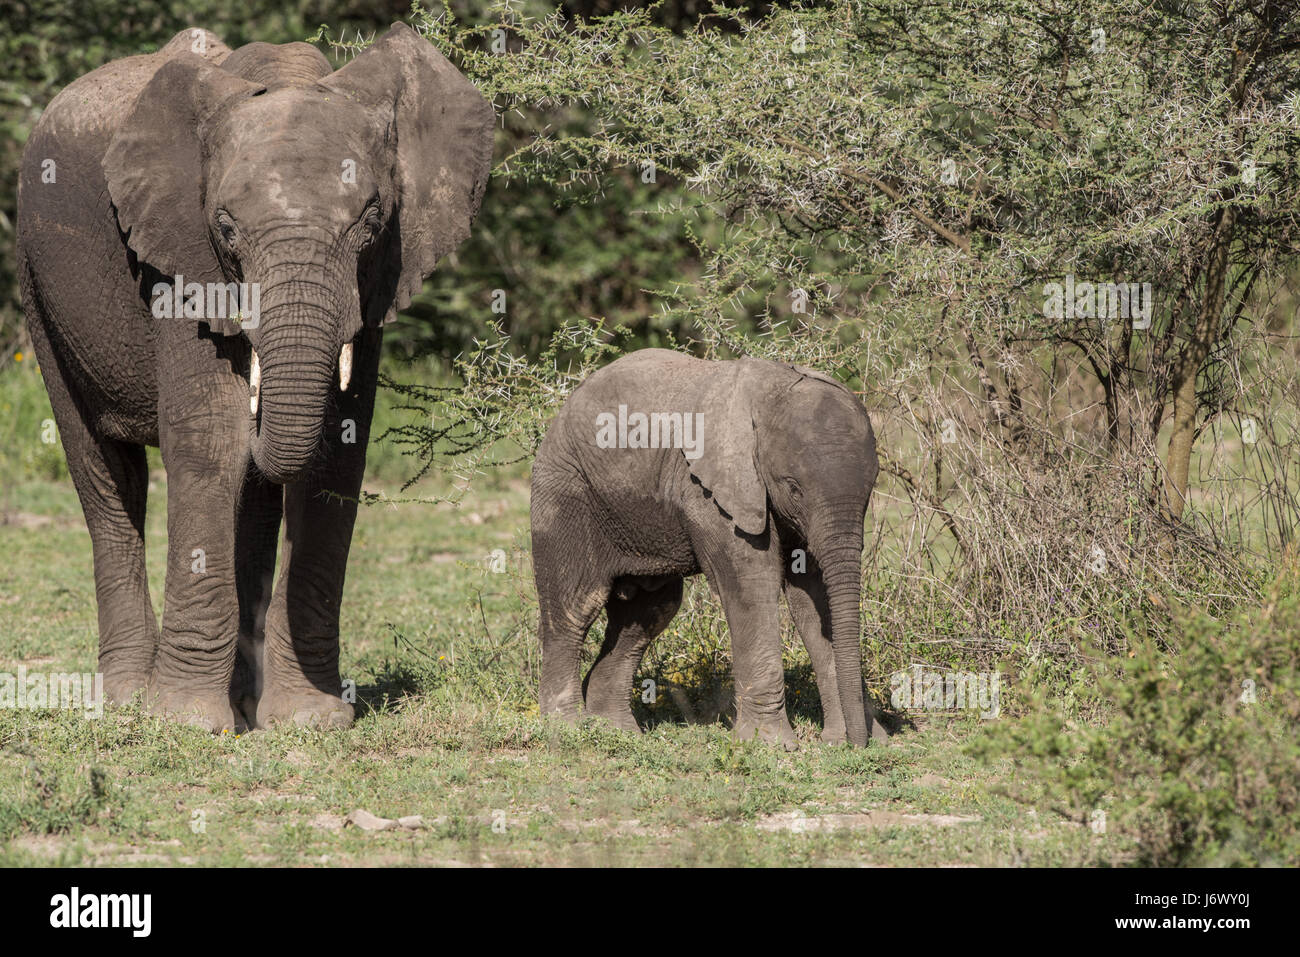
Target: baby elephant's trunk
842,573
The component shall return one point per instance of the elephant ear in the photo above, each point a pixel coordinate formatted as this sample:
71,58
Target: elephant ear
444,130
819,376
857,399
728,461
154,165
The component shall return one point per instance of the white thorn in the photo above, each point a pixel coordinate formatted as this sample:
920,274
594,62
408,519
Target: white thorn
254,383
345,366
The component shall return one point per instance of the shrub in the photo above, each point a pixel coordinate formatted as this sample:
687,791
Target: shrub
1198,757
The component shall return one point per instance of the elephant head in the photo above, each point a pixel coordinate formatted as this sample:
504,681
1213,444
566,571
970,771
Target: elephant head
798,447
335,192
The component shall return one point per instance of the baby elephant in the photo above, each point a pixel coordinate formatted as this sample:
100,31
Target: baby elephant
755,473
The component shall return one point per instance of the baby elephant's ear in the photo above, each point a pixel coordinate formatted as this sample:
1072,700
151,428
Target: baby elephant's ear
444,130
820,377
728,442
154,165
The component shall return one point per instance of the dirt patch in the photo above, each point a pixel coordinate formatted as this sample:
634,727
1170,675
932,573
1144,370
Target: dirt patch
797,822
130,854
328,822
262,795
44,846
628,828
932,781
25,519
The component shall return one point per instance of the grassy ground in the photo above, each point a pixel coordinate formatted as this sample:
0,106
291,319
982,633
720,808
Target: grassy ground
443,654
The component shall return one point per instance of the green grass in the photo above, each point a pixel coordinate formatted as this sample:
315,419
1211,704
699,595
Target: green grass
444,656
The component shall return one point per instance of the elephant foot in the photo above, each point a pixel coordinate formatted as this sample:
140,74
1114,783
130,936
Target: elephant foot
199,709
245,710
306,709
620,717
567,706
775,730
879,736
834,735
246,681
121,687
833,729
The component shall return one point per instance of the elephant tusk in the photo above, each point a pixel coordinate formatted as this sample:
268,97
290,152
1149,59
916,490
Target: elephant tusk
345,366
254,384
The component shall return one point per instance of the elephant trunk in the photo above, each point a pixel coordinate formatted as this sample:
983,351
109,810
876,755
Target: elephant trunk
296,358
842,573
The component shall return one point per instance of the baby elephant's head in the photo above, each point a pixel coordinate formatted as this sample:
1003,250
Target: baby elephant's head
790,442
785,444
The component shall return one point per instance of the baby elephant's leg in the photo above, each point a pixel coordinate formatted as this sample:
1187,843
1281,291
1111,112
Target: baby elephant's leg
808,607
750,591
633,623
569,598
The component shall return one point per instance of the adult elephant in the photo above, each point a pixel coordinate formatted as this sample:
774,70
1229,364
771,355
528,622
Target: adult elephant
329,195
755,473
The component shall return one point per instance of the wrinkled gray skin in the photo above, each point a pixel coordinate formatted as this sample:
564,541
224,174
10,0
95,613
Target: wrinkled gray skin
222,166
788,461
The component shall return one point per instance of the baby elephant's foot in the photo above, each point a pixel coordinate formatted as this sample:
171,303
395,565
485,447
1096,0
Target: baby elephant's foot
834,735
620,717
833,730
566,705
774,729
308,709
837,734
879,733
204,709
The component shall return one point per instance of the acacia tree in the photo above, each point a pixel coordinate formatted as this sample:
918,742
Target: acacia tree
897,191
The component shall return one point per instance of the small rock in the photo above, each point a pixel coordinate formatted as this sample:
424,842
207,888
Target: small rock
369,822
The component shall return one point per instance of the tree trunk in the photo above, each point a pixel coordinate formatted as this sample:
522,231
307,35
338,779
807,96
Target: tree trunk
1179,455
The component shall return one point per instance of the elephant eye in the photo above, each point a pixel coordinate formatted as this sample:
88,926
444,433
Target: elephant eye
227,229
371,224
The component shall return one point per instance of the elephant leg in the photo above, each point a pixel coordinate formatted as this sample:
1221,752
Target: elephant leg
111,479
806,595
301,679
203,432
570,562
754,622
633,623
256,535
563,626
749,584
